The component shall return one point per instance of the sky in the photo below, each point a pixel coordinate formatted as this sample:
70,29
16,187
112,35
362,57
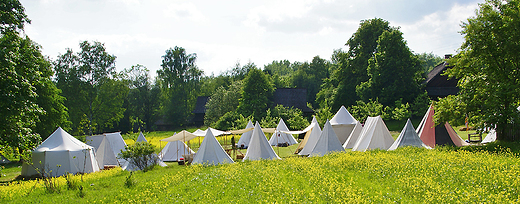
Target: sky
223,33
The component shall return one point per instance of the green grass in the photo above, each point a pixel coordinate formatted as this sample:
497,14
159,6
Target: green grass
489,173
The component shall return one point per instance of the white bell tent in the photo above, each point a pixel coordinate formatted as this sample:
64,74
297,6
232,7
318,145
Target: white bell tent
311,138
354,136
280,137
173,151
343,123
327,142
243,142
211,152
408,137
259,147
61,153
375,135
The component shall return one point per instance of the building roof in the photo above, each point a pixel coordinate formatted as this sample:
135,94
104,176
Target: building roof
292,97
200,106
441,85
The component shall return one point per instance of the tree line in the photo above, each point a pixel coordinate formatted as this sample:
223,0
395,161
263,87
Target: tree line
377,74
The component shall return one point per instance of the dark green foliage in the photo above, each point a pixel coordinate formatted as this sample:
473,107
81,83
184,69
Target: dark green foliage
488,67
256,95
429,61
129,181
180,82
231,120
310,76
222,101
12,16
141,155
292,117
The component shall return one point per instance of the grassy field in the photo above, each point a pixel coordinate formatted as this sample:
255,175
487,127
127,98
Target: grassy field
488,173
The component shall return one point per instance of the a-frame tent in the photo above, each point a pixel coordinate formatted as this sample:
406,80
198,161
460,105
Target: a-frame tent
354,136
327,142
141,138
310,139
105,155
244,140
259,147
211,152
442,134
280,137
375,135
408,137
343,123
114,142
173,151
59,154
490,137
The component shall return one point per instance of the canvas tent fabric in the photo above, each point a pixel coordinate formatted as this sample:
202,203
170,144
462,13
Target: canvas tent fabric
490,137
311,139
307,131
215,132
246,137
141,138
3,160
442,134
259,147
105,155
280,137
173,151
61,153
343,123
182,136
408,137
353,137
327,142
375,135
115,141
211,152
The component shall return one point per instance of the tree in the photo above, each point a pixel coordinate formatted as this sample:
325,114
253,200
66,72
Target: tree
222,101
429,61
12,16
395,72
89,82
256,95
180,81
487,68
310,77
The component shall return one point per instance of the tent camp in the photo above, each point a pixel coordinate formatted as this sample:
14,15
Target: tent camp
3,160
173,151
490,137
130,167
343,123
375,135
258,147
408,137
442,134
327,142
114,142
61,153
280,138
354,136
211,152
141,138
310,139
243,142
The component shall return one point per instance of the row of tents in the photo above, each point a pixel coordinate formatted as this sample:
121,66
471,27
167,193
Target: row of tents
61,153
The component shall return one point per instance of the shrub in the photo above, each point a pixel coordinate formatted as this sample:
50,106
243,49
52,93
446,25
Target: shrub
141,155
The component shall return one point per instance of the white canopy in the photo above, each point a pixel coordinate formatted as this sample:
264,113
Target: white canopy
182,135
258,147
61,153
343,123
408,137
246,136
211,152
280,137
173,151
327,142
215,132
375,135
312,139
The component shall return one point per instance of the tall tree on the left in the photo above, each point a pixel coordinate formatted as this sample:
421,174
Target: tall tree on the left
30,106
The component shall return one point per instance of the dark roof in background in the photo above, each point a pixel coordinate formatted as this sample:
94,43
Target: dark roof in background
439,85
200,106
290,97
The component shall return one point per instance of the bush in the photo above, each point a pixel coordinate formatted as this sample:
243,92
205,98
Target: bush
141,155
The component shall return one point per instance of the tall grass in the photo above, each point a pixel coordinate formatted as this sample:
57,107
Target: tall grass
408,175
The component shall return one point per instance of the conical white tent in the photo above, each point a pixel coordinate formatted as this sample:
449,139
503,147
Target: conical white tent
61,153
141,138
173,151
243,142
105,155
115,141
490,137
327,142
408,137
211,152
343,123
375,135
354,136
312,138
258,147
280,137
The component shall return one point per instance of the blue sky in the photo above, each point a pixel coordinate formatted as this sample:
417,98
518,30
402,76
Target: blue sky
223,33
